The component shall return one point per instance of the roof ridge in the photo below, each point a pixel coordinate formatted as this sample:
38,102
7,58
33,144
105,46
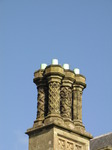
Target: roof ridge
101,135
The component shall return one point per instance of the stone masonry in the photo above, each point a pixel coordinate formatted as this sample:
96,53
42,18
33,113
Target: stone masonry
58,125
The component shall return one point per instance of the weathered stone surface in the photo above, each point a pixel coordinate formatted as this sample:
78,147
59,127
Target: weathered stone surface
66,95
54,98
66,102
53,76
69,141
55,137
41,98
42,140
58,125
78,87
54,69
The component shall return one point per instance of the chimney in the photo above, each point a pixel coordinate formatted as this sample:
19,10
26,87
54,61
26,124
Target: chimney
78,87
40,82
58,123
59,95
66,96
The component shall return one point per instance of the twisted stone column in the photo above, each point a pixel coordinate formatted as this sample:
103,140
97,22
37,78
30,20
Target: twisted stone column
66,96
78,87
66,102
41,98
54,74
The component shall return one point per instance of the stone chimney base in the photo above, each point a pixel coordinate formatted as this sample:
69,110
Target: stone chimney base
56,137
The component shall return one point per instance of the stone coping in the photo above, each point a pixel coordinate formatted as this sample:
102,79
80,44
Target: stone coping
35,130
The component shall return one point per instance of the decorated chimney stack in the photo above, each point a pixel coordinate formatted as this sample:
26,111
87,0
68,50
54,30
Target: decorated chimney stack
59,110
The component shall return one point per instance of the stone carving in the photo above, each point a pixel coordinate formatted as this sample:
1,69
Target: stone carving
54,98
70,146
77,104
46,101
41,102
64,144
66,102
78,147
61,144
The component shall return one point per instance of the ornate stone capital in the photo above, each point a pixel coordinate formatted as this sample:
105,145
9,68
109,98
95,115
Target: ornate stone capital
80,81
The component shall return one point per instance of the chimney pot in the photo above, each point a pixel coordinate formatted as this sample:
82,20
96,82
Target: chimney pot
66,66
54,61
76,71
43,66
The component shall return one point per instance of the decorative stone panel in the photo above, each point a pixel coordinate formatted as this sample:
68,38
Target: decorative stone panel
66,144
61,144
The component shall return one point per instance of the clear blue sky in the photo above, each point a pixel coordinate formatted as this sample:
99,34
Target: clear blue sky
35,31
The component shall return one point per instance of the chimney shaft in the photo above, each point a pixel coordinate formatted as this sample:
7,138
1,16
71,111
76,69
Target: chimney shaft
58,123
59,95
78,87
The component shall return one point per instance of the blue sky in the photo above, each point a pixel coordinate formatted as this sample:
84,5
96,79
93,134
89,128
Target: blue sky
34,32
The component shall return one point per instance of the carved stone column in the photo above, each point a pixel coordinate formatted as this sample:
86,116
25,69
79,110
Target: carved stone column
58,126
54,74
41,98
66,97
78,87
